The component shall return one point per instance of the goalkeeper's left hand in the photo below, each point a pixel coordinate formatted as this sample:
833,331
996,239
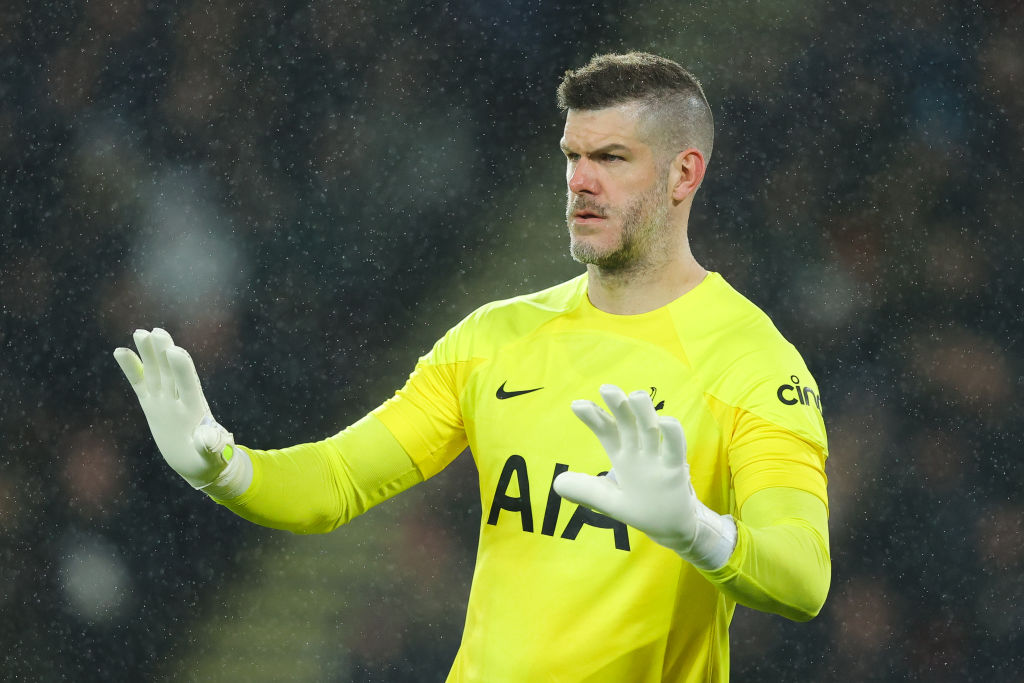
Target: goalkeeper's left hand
649,485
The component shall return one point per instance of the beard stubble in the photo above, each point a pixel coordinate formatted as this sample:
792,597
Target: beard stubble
642,237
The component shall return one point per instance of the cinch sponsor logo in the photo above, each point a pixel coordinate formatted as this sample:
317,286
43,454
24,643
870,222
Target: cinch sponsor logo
791,394
515,466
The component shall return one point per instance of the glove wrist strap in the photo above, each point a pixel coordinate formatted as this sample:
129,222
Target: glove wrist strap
713,542
234,479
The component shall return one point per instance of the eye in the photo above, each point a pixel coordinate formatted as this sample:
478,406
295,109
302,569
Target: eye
611,157
572,156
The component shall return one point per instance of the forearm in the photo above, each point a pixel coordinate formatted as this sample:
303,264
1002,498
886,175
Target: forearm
317,487
781,563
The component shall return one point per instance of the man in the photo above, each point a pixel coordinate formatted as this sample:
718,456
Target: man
629,575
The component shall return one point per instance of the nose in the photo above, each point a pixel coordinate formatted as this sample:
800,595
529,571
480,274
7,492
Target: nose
582,177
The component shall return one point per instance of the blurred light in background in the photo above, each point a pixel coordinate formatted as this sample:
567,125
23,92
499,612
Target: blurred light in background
96,583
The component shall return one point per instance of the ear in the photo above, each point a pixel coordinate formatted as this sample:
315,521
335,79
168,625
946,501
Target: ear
687,173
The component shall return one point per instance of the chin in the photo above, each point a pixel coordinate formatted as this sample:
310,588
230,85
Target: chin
585,251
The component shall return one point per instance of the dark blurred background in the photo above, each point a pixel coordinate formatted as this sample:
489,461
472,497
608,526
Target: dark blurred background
308,194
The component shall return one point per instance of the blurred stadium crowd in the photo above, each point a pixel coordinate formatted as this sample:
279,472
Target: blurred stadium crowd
291,188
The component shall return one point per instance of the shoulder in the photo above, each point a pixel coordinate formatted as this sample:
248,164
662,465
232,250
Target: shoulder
722,325
502,322
746,362
535,307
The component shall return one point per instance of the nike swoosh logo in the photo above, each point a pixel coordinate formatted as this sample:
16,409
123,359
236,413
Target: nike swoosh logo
502,394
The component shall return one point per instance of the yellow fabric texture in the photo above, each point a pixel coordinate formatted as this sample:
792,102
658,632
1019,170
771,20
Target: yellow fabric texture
316,487
561,593
781,563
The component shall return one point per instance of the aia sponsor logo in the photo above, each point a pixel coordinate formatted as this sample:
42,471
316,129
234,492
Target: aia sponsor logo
519,504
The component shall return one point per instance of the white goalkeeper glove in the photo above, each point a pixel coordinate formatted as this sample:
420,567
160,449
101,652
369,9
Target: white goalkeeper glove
191,441
649,485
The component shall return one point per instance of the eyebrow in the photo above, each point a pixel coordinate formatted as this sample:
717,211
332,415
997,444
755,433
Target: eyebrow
613,147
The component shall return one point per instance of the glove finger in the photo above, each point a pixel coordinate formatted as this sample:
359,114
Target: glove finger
161,342
186,379
673,447
617,402
599,422
596,493
131,366
150,366
646,422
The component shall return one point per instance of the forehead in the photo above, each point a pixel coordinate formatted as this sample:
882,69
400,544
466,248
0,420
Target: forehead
593,128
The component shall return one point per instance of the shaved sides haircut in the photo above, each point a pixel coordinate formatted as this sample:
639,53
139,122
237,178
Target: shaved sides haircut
674,113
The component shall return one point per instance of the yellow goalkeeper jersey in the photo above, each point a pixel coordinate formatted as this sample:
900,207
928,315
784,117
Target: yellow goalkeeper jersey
562,593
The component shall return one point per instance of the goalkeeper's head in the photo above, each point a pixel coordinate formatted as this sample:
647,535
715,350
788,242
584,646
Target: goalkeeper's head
672,110
637,138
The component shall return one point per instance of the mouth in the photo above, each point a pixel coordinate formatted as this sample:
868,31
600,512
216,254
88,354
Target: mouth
587,216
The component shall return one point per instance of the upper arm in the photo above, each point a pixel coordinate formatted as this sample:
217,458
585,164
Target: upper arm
425,415
763,455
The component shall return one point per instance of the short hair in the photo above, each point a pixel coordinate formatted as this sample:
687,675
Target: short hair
675,111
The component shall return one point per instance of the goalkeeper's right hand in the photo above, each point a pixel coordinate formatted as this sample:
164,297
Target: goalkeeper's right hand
191,441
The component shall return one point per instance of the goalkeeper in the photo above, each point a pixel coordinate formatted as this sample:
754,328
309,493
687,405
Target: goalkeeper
650,449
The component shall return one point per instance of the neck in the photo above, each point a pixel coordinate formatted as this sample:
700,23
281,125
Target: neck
643,288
